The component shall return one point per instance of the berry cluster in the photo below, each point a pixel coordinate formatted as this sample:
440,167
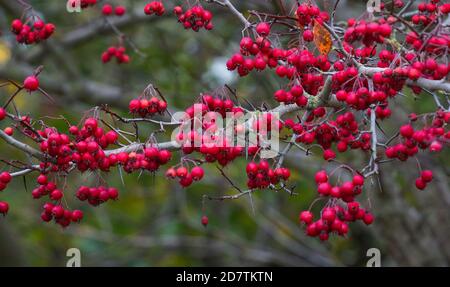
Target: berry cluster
335,218
147,107
62,216
428,12
154,7
108,10
212,144
308,15
367,33
260,56
31,34
194,18
97,195
118,52
430,137
294,95
426,176
47,187
150,159
260,175
186,177
89,143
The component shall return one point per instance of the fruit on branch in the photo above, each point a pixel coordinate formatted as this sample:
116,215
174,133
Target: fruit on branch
9,131
4,208
147,107
341,210
120,10
97,195
154,7
31,83
31,31
260,175
5,178
107,9
186,177
430,137
263,29
194,18
209,141
307,13
62,216
118,52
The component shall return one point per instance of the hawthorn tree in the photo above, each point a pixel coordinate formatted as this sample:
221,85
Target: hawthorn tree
340,83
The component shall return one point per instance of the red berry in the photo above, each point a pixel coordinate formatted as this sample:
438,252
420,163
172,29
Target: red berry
4,207
120,10
107,10
205,220
5,177
263,29
426,175
421,184
31,83
2,114
197,173
306,217
77,215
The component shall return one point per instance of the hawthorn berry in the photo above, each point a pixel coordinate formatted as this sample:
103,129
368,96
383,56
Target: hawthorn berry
31,83
4,207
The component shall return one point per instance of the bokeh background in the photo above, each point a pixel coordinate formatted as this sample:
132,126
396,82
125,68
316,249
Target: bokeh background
157,223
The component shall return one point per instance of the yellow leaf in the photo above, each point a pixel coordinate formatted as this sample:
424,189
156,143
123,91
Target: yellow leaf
322,38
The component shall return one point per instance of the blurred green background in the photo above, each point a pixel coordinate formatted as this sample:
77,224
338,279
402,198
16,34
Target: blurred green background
157,223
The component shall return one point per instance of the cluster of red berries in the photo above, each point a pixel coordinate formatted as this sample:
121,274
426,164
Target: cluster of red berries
47,187
118,52
294,95
260,175
307,15
335,218
343,131
97,195
186,177
211,143
108,10
87,3
428,12
147,107
150,159
260,51
89,144
62,216
5,178
429,137
426,176
31,34
346,191
194,18
367,33
154,7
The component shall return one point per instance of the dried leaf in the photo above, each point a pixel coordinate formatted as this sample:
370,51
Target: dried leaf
322,38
